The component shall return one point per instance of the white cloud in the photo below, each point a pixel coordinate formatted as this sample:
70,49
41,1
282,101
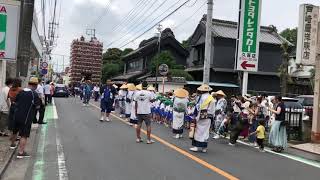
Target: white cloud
76,14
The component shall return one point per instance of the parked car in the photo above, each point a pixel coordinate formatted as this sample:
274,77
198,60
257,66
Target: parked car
61,91
293,105
307,103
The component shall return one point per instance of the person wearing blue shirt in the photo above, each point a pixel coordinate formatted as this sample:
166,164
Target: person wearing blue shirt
108,93
87,92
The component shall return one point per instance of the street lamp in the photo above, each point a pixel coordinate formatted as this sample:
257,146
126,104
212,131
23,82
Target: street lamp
159,28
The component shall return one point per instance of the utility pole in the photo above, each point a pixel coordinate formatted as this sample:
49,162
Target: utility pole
26,18
159,28
315,131
208,44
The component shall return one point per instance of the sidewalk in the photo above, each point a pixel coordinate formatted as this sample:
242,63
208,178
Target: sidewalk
7,155
308,147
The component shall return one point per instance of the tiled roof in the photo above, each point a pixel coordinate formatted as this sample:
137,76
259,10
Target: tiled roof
228,29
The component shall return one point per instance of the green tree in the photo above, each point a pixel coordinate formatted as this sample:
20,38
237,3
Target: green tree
181,73
283,69
126,51
175,70
112,55
290,35
186,43
164,57
109,70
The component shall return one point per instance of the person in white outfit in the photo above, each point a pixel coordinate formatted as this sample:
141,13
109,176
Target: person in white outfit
204,112
180,103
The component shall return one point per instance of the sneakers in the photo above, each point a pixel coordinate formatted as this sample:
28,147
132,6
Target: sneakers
150,141
194,149
177,136
230,144
139,140
22,155
13,146
84,105
204,150
102,119
262,150
217,136
107,119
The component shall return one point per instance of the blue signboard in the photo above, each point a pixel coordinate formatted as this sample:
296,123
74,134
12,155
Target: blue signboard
44,71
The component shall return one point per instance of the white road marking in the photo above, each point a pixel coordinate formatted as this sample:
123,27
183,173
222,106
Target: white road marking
63,173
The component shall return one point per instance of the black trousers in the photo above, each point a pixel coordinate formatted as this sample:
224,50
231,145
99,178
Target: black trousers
48,98
260,143
235,132
41,112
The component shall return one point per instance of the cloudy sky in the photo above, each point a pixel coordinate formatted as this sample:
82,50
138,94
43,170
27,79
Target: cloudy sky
115,28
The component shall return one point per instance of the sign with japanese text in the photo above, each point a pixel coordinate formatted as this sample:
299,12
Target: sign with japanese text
249,32
307,34
9,29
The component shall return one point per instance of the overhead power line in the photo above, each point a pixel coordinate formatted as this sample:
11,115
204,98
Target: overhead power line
156,23
137,14
141,29
188,18
124,20
139,22
103,14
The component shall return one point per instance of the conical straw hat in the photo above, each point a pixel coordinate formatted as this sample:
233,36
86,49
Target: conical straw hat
139,87
181,93
124,86
131,87
151,88
204,88
220,92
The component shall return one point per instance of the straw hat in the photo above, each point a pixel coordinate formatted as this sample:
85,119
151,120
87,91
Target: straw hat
33,80
131,87
151,88
124,86
247,97
204,88
220,92
214,94
181,93
139,87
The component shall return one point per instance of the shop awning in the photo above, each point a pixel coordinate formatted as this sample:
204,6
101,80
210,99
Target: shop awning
214,84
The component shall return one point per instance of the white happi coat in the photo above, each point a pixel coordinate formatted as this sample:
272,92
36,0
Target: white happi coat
128,104
178,117
121,97
203,126
133,115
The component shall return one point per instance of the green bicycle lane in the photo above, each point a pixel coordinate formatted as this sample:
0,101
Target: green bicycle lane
45,163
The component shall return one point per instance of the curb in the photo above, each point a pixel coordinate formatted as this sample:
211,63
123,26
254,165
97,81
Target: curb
7,162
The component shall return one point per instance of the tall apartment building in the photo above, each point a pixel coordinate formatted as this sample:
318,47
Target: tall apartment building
86,60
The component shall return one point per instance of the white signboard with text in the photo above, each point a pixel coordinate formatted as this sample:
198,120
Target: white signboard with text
9,29
307,34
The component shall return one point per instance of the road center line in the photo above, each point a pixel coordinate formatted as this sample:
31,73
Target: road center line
183,152
63,173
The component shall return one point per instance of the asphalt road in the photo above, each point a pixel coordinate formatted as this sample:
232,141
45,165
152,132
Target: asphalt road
107,151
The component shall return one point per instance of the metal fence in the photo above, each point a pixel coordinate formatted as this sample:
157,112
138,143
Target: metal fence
294,118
